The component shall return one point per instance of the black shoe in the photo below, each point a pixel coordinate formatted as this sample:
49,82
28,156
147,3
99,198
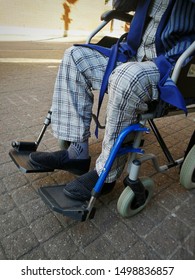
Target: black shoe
60,160
81,187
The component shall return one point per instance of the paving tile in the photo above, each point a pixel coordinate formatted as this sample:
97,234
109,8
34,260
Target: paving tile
179,191
189,243
34,254
10,222
31,177
62,177
19,243
66,222
186,212
163,244
79,256
33,210
45,227
155,212
23,195
121,237
45,181
84,233
6,203
161,181
4,158
140,224
60,247
2,254
2,187
101,249
168,200
7,169
141,251
104,218
176,228
182,254
14,181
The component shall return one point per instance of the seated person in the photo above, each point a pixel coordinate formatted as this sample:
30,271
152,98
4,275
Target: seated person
132,84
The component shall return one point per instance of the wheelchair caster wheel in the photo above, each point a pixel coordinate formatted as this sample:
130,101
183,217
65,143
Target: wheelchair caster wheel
187,173
125,203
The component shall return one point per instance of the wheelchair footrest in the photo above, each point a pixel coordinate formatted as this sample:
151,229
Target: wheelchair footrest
21,160
54,197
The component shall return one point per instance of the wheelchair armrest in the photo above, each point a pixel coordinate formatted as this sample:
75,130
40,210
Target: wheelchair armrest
114,14
106,18
178,66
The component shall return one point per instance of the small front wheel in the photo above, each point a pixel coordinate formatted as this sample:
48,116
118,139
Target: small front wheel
125,202
187,173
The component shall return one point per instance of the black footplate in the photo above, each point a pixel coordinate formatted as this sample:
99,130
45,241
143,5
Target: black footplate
54,197
21,160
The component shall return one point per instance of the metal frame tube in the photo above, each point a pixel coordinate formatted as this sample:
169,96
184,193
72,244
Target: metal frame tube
118,150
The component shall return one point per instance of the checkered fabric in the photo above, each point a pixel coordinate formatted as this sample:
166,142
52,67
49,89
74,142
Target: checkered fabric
131,86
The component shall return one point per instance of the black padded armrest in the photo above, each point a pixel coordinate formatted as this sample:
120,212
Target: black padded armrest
113,14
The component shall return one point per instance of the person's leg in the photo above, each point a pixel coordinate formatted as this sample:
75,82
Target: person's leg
131,86
80,72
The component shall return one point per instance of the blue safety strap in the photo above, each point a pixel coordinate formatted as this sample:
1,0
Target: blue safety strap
133,41
135,34
169,92
110,66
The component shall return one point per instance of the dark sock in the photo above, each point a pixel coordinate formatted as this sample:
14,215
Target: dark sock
78,150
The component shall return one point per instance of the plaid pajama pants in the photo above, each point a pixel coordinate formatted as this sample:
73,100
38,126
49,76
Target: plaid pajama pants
131,86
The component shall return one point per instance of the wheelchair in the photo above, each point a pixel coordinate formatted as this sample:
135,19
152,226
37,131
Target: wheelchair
137,191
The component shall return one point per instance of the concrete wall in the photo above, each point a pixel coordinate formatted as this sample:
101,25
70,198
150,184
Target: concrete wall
54,17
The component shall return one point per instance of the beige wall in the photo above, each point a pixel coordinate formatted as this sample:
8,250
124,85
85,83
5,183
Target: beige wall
47,16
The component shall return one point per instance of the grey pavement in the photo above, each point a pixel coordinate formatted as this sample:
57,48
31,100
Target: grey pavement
165,229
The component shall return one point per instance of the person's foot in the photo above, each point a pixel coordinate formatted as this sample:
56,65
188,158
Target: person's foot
60,160
81,187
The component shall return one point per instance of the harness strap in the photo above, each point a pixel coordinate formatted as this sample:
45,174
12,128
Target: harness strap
133,41
138,23
169,92
110,66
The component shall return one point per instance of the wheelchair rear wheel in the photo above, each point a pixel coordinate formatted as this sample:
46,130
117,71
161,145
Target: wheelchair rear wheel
187,173
125,202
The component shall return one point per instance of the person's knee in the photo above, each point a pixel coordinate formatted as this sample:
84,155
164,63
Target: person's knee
70,51
134,76
124,76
